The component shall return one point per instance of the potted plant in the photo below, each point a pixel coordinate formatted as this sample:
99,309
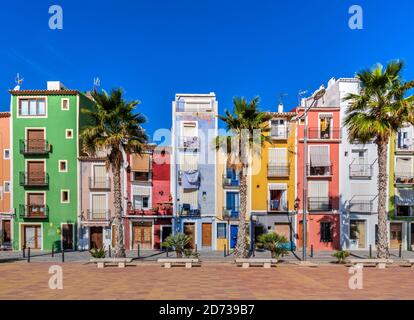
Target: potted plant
177,242
341,255
275,243
98,253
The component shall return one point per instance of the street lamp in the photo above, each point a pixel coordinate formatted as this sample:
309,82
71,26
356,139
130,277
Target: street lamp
317,95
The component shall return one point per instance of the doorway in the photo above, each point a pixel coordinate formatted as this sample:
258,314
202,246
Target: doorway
6,231
166,231
395,235
67,236
283,229
32,236
412,236
300,234
206,233
142,235
96,238
189,230
234,230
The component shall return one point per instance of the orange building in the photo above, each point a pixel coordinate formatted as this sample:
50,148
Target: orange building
5,181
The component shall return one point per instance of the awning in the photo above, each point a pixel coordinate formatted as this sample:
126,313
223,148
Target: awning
140,163
277,186
404,197
319,156
141,191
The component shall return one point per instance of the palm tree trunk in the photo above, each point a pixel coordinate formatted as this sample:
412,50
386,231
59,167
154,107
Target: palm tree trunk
120,247
382,246
242,249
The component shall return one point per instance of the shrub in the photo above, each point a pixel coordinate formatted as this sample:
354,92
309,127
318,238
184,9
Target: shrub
275,243
178,242
341,255
98,253
189,253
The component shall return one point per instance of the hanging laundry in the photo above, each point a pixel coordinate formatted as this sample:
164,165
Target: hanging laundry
191,179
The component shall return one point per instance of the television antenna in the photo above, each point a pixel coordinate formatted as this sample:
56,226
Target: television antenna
96,82
301,94
19,81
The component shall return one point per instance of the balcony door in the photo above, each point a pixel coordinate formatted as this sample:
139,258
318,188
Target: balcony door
35,140
36,172
99,176
325,126
232,203
35,205
99,207
318,196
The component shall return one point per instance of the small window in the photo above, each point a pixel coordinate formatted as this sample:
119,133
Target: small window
63,166
69,134
6,154
326,232
65,104
7,186
221,231
403,211
64,196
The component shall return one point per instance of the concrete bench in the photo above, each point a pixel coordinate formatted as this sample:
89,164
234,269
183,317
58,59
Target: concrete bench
265,263
379,263
187,262
121,262
408,263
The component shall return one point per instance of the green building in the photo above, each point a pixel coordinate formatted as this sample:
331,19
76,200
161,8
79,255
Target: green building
45,144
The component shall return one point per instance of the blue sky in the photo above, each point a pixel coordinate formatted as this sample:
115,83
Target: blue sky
154,49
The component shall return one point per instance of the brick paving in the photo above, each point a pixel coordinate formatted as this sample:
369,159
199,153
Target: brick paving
211,281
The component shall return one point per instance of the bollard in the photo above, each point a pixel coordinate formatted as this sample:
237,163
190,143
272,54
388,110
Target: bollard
53,250
400,251
225,250
28,254
138,249
196,248
63,255
311,251
109,251
24,251
370,250
168,249
254,252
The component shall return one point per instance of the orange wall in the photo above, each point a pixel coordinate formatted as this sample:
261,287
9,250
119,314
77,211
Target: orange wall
4,164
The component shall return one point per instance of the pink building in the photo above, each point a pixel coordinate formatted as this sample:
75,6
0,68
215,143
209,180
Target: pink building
6,213
149,209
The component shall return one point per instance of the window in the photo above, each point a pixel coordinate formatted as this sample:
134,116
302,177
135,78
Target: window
32,107
141,176
63,166
6,154
325,126
64,104
326,232
221,231
64,196
69,134
7,186
141,202
357,232
403,211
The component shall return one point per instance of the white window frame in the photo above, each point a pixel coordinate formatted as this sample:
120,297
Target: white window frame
66,162
61,196
61,104
4,186
28,98
4,154
66,134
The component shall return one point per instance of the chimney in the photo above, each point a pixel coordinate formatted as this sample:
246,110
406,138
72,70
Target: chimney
280,107
55,85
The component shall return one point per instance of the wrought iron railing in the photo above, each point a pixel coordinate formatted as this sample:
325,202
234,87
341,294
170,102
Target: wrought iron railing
34,179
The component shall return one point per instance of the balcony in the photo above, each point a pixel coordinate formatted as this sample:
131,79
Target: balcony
404,178
329,134
98,183
280,132
277,206
34,147
137,176
34,179
319,204
319,171
404,148
361,206
34,211
99,215
231,181
360,171
192,143
231,212
186,211
277,171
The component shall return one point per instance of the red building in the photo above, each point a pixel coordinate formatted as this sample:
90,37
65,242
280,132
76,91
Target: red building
322,174
149,208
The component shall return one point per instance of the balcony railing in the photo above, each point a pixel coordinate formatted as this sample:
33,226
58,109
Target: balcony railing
360,171
231,212
98,215
34,211
277,171
231,181
363,206
34,179
279,132
405,147
404,178
99,183
277,206
34,147
319,171
329,134
188,211
319,204
189,142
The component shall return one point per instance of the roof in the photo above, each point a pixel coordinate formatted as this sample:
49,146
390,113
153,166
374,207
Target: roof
4,114
88,158
282,114
43,92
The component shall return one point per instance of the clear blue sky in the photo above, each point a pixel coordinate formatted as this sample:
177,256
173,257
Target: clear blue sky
154,49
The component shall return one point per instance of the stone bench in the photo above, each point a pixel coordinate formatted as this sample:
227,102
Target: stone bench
187,262
265,263
408,263
120,262
379,263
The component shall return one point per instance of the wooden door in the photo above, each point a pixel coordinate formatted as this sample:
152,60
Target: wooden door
207,234
6,227
300,235
189,230
395,235
35,140
283,229
36,172
32,237
143,235
67,236
96,237
36,205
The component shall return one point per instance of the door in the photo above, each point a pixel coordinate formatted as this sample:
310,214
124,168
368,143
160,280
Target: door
99,177
206,232
67,236
96,237
36,172
32,237
36,205
300,235
166,231
283,229
234,229
6,227
395,235
189,230
142,235
232,204
357,232
99,207
35,140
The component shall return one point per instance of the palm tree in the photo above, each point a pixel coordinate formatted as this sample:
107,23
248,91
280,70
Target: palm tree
116,130
375,115
243,123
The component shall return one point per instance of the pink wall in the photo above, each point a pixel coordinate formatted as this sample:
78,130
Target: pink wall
4,164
